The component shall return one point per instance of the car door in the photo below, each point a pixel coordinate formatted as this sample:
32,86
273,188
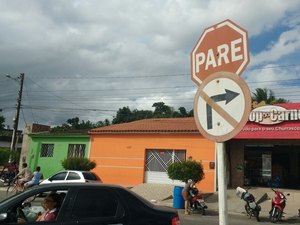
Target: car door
93,206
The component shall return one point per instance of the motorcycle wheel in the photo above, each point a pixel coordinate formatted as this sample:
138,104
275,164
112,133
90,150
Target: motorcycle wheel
275,215
199,208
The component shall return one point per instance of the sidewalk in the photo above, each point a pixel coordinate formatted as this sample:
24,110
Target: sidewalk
163,195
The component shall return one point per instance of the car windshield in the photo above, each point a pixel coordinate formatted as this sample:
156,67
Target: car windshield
89,176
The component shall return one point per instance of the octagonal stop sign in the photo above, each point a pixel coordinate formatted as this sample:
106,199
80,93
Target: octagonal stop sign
221,47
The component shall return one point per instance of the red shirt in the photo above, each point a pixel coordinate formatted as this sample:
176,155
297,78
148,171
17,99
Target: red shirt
11,167
48,215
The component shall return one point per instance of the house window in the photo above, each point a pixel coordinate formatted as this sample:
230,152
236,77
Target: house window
159,160
76,150
47,150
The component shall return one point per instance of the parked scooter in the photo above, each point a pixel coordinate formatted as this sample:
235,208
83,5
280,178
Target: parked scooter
278,205
197,203
252,207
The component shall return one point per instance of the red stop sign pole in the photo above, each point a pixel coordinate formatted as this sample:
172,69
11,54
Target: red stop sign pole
221,47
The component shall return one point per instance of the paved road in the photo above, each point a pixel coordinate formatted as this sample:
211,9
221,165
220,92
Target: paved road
212,218
232,220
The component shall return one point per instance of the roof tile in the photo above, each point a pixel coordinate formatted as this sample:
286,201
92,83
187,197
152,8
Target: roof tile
158,125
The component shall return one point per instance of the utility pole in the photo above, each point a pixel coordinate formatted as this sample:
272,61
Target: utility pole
16,119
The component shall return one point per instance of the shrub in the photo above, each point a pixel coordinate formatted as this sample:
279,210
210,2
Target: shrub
4,156
77,163
186,170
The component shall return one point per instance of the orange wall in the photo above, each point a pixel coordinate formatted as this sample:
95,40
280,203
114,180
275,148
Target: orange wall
120,158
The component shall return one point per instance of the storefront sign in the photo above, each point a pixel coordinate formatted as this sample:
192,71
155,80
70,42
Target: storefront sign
272,114
280,121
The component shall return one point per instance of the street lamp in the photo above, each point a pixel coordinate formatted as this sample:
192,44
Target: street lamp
20,80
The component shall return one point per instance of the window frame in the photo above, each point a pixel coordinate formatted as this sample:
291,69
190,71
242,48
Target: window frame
76,150
49,148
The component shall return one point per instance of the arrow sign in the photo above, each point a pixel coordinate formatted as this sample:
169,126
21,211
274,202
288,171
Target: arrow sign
222,106
228,97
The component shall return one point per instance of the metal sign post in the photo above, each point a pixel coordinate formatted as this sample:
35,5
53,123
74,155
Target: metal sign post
222,186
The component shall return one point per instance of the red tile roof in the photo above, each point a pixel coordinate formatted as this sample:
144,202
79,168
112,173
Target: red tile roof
159,125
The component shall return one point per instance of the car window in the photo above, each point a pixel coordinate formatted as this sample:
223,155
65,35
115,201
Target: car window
104,204
73,176
32,208
59,176
89,176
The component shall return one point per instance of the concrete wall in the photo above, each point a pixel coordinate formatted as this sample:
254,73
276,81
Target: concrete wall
236,163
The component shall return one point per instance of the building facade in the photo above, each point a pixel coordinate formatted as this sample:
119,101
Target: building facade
48,150
267,151
140,151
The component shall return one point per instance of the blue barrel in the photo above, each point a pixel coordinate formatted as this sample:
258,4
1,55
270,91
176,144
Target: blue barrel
178,201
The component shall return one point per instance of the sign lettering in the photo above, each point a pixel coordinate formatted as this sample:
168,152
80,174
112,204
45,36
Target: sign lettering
270,115
222,55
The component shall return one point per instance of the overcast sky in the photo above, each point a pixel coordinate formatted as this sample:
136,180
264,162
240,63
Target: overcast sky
90,58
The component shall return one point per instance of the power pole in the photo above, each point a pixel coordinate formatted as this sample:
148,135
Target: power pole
16,119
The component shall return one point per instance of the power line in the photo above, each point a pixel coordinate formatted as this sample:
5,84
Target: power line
124,76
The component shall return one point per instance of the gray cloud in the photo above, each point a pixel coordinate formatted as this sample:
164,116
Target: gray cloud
93,57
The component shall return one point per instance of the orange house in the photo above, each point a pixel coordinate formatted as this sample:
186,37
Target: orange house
140,151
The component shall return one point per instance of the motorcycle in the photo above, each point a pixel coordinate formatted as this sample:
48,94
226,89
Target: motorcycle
252,207
278,205
197,203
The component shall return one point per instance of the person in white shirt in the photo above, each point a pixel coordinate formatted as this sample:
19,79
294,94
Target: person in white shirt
36,177
25,174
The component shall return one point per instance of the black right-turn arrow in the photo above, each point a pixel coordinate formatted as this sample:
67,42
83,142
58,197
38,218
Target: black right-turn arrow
228,97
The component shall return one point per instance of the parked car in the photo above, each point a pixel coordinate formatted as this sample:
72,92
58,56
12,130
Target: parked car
88,203
71,176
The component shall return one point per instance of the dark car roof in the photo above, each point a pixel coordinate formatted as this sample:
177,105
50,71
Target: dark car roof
66,185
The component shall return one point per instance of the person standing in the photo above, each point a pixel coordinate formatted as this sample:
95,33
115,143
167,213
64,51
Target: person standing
26,175
185,195
35,179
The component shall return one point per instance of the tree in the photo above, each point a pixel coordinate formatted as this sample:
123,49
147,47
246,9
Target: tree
183,112
2,120
186,170
142,114
73,122
266,95
161,110
104,123
4,155
124,115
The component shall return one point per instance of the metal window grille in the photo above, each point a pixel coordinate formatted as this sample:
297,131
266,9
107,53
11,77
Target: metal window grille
159,160
76,150
47,150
